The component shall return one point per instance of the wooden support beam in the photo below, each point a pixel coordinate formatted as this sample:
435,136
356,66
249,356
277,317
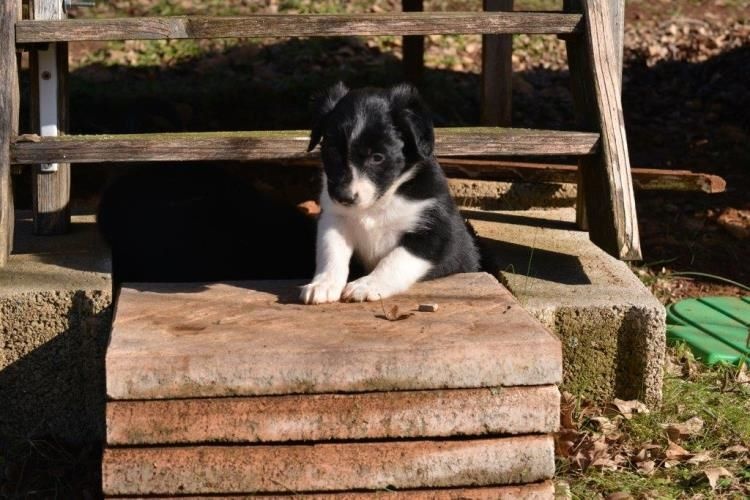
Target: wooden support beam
281,144
605,182
49,117
617,8
10,11
497,72
645,179
285,25
413,46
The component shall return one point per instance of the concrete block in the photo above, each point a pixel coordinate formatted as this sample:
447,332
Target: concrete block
55,297
497,195
254,338
327,467
403,414
612,329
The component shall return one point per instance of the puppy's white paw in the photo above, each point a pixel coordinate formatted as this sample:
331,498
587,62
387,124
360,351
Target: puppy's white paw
322,291
364,289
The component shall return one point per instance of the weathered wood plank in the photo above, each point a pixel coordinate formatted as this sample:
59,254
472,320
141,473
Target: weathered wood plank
282,144
544,490
270,25
50,189
375,415
413,46
327,467
255,338
9,108
617,9
646,179
605,180
497,72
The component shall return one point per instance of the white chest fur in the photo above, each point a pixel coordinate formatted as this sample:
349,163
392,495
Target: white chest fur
375,231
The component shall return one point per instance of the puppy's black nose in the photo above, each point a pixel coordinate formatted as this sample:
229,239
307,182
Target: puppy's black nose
348,199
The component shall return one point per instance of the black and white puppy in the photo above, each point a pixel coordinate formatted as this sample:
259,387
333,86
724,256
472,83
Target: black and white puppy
384,198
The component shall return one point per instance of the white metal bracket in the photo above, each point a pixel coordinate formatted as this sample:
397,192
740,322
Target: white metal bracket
48,98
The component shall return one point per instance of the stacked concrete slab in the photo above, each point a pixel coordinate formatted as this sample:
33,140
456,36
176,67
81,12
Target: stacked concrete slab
235,389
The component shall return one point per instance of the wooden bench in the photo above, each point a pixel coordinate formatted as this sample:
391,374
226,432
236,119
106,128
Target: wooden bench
606,204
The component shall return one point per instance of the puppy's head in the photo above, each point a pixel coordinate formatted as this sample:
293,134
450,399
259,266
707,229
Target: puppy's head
370,137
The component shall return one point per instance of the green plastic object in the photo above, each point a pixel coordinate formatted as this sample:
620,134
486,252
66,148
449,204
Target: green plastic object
717,329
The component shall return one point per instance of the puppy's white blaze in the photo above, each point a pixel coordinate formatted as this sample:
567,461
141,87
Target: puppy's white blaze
363,188
360,120
395,273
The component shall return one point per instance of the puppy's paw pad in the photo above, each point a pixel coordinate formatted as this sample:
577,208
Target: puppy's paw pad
365,289
321,292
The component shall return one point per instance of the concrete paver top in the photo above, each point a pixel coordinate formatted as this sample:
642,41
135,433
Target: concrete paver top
253,338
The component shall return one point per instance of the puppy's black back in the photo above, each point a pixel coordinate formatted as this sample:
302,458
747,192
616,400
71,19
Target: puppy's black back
444,237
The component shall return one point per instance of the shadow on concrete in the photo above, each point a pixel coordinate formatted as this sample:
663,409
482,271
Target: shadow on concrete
80,249
520,220
547,265
52,423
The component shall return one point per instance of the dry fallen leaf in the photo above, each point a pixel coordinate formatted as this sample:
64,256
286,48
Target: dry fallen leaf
630,408
676,452
620,495
685,430
735,222
647,467
567,407
699,457
603,425
309,207
735,451
714,473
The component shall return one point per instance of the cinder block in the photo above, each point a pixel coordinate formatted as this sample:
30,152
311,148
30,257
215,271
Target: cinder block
55,316
613,330
327,467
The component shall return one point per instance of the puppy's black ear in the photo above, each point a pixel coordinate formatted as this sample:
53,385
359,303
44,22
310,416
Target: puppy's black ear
322,105
412,118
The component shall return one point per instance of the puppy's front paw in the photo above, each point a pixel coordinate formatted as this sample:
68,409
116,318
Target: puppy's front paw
364,289
322,291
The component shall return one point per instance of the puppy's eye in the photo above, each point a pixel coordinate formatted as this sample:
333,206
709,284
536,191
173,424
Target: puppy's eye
377,158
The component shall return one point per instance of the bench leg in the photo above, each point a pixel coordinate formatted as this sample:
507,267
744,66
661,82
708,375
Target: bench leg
49,113
605,181
9,105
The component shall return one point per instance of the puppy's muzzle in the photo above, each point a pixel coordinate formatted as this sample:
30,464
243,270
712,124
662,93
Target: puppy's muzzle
348,199
344,195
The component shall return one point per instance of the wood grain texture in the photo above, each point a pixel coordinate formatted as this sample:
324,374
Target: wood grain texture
617,10
606,179
497,72
9,109
374,415
413,46
50,190
270,25
327,467
283,144
646,179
